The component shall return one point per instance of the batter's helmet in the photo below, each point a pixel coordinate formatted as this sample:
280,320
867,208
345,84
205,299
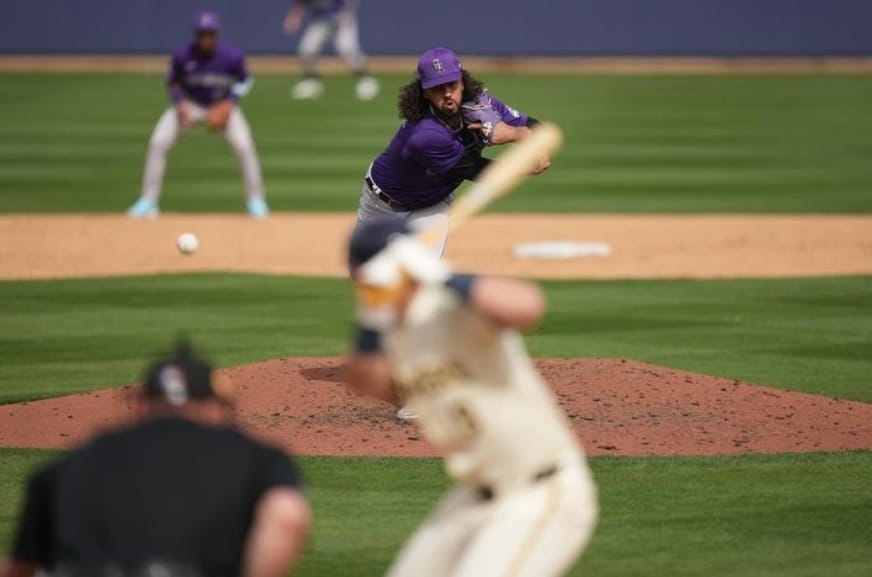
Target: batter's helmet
371,237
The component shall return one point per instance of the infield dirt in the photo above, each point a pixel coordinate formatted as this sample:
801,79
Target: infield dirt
643,246
617,407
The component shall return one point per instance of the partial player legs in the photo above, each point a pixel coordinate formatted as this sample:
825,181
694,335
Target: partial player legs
429,217
536,532
311,44
436,546
347,44
238,134
163,137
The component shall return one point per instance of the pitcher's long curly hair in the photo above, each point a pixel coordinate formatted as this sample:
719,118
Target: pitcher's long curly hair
413,105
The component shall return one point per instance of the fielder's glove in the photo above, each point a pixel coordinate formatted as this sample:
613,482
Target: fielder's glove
481,111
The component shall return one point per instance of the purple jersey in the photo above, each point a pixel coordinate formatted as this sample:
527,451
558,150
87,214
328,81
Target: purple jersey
207,80
412,168
509,115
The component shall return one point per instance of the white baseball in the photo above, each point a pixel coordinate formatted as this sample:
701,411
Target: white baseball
187,243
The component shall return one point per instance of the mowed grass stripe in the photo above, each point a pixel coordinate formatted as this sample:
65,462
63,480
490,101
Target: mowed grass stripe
635,144
772,516
803,334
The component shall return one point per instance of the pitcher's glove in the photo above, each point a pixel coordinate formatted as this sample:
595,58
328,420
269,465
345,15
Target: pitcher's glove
480,115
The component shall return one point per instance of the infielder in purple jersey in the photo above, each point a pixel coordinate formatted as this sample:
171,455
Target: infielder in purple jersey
448,119
328,18
206,80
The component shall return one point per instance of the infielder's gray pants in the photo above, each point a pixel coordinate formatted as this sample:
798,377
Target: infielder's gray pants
346,41
371,207
168,130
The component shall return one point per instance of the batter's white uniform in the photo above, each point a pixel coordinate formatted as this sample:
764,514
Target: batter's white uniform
525,503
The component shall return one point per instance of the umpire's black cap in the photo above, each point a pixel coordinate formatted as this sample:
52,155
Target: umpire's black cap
181,377
371,237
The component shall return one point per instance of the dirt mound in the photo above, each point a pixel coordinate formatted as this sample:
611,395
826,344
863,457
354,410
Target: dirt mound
617,407
643,246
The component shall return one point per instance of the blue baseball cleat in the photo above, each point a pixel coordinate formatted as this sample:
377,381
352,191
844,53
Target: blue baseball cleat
257,208
143,208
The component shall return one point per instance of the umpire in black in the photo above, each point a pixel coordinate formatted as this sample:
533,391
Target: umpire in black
180,493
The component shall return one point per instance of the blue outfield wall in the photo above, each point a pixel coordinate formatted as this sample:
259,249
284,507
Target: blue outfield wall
482,27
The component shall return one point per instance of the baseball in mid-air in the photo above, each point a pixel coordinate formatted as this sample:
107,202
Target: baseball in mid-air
187,243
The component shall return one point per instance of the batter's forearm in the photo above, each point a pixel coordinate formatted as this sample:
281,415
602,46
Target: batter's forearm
370,375
506,302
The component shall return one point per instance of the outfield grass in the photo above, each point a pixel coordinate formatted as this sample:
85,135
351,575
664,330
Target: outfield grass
803,334
637,144
785,515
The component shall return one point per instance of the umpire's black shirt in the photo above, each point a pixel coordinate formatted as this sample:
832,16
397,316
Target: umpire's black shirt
167,489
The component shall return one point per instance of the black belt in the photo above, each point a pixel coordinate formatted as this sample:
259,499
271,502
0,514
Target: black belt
392,204
487,492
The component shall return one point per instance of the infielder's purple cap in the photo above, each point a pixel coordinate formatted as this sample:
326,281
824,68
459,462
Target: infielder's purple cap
207,22
438,66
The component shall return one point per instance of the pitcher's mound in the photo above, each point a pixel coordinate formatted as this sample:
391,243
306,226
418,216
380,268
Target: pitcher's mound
618,407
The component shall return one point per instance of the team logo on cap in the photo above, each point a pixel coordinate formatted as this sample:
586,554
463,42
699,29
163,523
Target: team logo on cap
174,384
437,65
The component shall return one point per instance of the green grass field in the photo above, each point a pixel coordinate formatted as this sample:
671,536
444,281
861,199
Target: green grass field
796,515
635,144
776,144
803,334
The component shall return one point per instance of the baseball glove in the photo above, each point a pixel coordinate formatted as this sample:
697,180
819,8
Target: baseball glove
482,112
218,114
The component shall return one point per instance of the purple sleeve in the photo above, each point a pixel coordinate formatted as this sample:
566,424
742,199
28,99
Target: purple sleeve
176,70
435,150
242,76
509,115
175,75
242,68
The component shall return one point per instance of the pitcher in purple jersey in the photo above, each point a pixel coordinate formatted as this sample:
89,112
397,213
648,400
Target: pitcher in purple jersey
448,119
206,80
336,19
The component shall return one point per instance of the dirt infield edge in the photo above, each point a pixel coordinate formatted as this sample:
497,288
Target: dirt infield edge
275,64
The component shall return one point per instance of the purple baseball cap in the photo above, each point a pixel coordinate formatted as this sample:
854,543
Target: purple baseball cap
438,66
207,22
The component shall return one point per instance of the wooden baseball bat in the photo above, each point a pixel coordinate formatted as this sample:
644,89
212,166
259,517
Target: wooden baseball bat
500,177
